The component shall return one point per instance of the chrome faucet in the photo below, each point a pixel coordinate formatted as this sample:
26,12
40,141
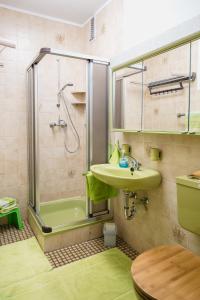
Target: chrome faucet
60,123
133,164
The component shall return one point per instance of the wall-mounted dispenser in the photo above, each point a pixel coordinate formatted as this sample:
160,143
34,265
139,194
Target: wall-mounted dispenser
155,154
126,149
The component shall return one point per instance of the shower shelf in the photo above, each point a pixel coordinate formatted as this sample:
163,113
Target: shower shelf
78,92
78,103
79,97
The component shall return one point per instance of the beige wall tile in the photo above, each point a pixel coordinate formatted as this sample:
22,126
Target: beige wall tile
31,33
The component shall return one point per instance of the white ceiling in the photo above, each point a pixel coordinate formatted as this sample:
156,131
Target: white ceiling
69,11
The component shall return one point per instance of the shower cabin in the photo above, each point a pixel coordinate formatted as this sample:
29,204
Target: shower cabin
67,132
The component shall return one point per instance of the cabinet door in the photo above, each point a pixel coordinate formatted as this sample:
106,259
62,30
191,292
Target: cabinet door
166,95
194,120
127,97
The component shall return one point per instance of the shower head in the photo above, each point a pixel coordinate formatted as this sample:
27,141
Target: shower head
61,90
64,86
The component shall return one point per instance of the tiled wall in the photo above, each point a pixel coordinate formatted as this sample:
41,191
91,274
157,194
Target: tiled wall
30,33
180,155
109,35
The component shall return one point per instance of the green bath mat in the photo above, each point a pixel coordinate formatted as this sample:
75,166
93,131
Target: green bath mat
21,260
104,276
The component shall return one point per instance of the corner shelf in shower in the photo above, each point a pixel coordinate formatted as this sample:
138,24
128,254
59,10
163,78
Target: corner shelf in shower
78,103
79,97
78,92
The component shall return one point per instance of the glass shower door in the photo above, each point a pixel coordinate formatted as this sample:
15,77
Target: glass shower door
68,132
62,102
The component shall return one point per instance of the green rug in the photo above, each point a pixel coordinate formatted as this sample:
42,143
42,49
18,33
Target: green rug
21,260
104,276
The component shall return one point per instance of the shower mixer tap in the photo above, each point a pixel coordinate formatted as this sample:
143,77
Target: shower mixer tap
52,124
61,123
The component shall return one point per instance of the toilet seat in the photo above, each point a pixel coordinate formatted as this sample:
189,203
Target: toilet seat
167,273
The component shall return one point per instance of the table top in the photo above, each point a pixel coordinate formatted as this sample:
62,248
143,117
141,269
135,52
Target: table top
167,273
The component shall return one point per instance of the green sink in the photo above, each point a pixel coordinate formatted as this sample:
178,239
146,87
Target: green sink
122,178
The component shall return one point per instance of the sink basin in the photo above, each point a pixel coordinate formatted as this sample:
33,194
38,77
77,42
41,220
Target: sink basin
121,178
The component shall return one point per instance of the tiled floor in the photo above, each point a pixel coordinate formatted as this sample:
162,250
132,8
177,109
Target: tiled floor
9,234
75,252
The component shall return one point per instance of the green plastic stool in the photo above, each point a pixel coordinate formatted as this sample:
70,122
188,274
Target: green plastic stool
14,218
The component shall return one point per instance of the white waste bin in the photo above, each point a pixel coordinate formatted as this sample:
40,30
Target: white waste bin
110,233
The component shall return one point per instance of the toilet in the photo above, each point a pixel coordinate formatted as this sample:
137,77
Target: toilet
171,272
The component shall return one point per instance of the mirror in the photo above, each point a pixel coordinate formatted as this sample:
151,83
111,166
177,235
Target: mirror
127,100
195,88
166,91
153,95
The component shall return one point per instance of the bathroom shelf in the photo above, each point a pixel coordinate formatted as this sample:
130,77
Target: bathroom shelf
79,97
154,132
78,103
79,92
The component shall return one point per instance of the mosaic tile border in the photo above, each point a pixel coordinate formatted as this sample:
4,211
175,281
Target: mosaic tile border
9,234
73,253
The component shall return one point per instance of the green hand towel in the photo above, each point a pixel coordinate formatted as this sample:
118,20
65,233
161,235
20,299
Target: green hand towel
97,190
115,157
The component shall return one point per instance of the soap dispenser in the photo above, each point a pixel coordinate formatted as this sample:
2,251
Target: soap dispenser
123,162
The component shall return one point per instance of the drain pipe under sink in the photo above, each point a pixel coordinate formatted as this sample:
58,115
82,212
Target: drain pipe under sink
130,200
129,209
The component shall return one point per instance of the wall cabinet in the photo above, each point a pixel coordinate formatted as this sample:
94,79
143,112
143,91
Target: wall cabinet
160,93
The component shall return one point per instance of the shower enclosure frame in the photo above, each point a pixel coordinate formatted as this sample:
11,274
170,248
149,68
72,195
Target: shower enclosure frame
33,130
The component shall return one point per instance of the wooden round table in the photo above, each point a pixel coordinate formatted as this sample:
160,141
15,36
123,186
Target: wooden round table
167,273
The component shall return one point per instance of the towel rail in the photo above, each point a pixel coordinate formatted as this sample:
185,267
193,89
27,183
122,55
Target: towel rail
169,81
7,43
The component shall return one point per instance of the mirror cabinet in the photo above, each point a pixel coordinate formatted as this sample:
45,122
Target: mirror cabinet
160,93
